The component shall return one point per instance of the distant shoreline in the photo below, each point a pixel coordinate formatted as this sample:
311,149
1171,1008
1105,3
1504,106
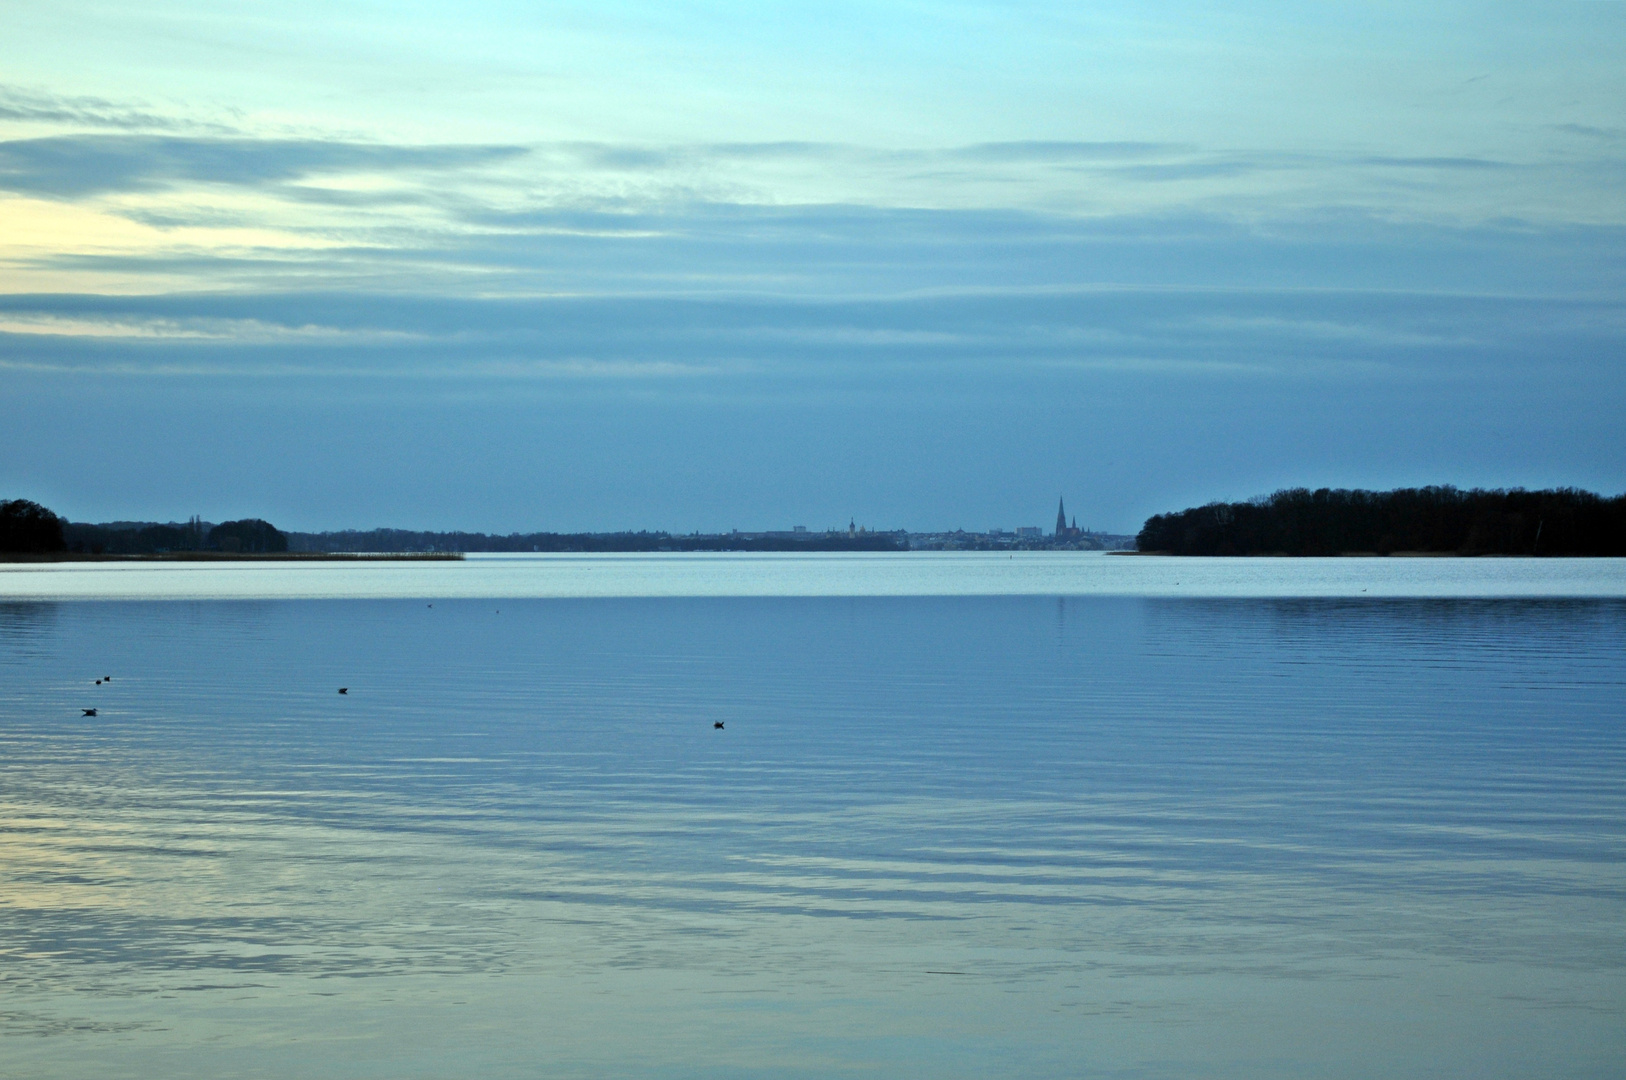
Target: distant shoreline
237,556
1363,555
1433,521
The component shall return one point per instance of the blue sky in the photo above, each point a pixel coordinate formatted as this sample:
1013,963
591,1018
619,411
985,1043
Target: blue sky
706,266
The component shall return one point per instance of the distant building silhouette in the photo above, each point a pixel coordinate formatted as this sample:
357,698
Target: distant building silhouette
1061,519
1065,531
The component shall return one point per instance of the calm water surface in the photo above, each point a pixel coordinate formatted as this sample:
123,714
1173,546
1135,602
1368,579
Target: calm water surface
1332,834
1029,573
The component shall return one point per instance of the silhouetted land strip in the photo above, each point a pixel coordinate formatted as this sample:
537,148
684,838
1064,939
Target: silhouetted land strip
30,532
406,540
251,536
233,556
1430,520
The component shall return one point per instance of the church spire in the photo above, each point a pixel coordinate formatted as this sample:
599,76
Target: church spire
1061,518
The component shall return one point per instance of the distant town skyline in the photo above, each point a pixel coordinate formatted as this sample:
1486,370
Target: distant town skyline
197,523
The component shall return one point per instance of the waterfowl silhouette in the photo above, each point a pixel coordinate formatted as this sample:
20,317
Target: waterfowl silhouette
89,712
718,724
344,689
98,682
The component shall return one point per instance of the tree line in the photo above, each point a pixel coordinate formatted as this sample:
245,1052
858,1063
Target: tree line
1298,521
378,540
1294,521
27,528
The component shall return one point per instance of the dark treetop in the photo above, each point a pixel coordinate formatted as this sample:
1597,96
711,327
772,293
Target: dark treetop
250,536
1298,521
28,528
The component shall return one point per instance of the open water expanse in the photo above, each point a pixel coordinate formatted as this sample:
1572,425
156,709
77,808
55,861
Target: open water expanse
969,816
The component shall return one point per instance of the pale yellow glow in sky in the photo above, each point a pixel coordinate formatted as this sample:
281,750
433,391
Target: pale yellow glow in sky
261,121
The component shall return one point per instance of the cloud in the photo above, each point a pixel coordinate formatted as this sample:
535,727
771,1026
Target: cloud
1607,134
905,343
69,166
611,156
782,149
1157,162
1033,152
1192,170
717,197
33,106
833,252
1470,163
1028,152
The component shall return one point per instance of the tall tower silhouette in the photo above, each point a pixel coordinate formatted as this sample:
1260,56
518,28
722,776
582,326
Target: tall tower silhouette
1061,518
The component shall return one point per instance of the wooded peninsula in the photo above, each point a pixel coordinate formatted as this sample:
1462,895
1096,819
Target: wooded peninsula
1429,520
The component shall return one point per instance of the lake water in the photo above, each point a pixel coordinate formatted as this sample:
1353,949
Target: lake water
969,816
1031,573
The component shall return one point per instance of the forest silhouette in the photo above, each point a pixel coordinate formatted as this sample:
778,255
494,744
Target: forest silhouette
1436,520
27,528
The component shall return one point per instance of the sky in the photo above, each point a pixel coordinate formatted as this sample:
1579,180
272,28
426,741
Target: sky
701,266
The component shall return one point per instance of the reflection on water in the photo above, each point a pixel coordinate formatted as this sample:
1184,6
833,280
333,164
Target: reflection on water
999,836
23,626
